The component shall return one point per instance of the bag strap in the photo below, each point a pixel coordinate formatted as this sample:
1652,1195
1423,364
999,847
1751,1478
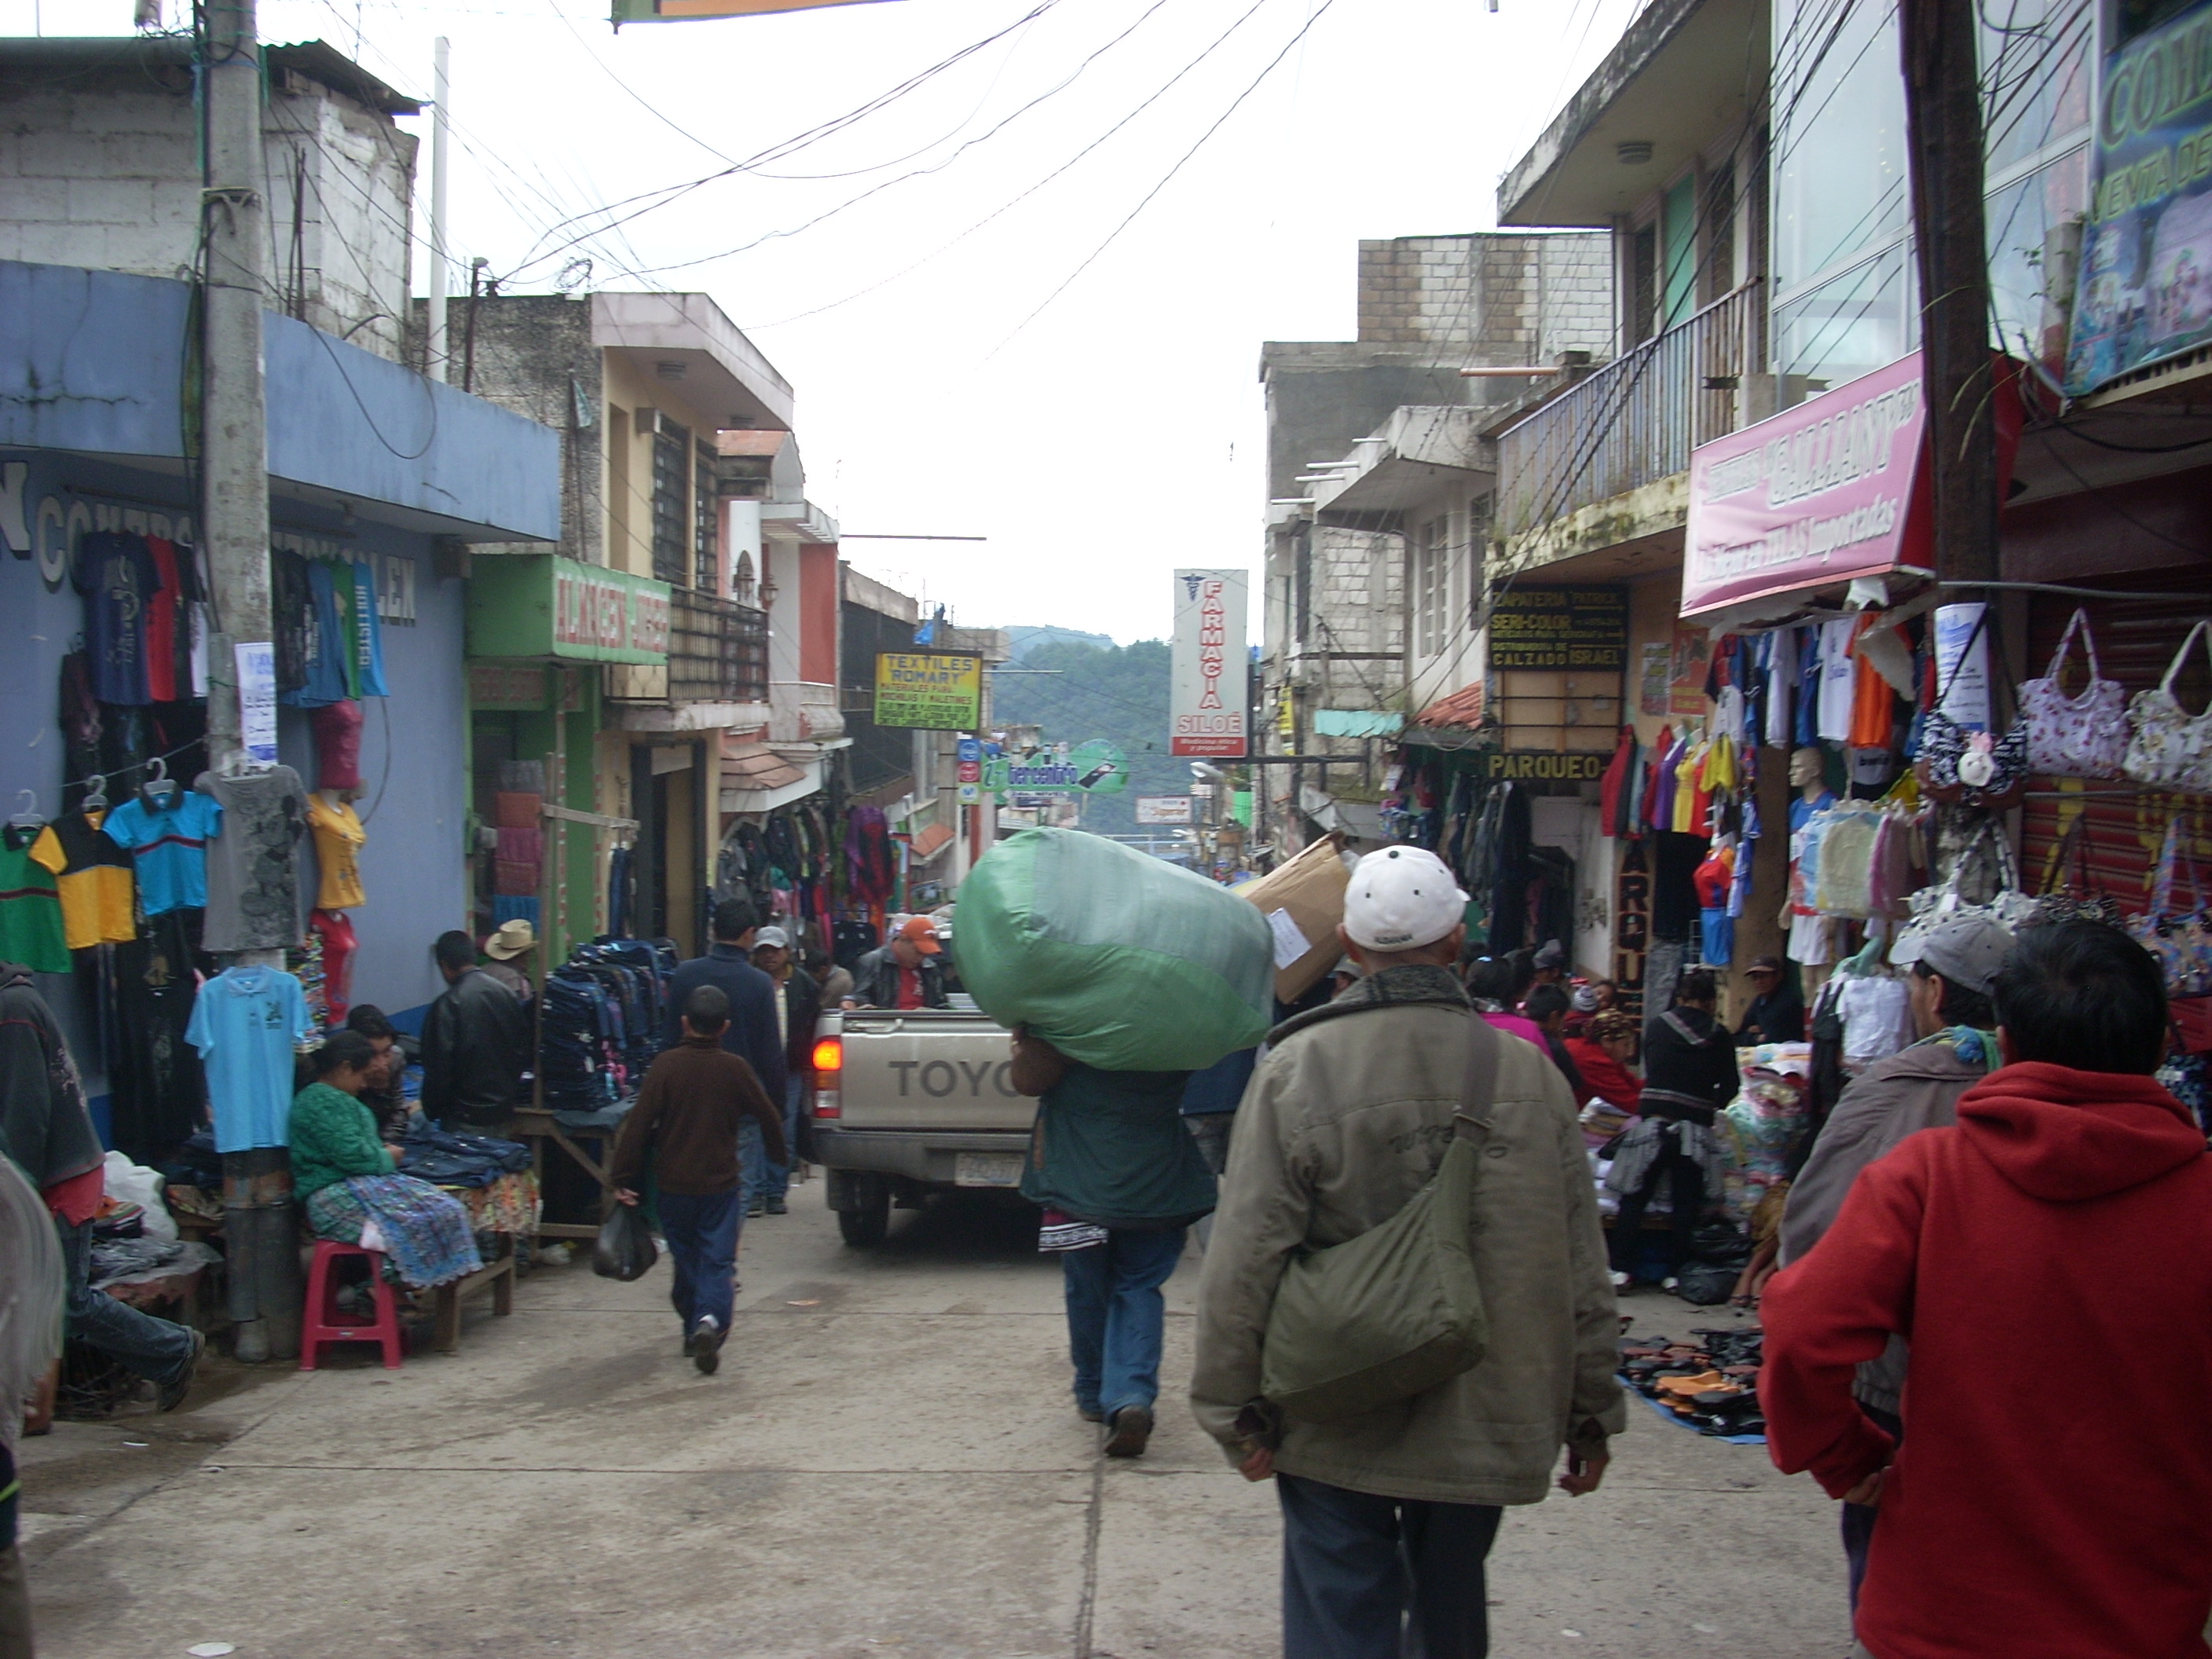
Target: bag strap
2174,668
2161,892
1478,1089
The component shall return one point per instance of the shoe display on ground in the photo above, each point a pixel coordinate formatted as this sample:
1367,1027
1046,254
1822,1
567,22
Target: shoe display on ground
174,1390
707,1346
1130,1432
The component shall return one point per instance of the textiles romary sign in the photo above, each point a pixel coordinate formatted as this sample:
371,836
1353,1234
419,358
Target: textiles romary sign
1206,713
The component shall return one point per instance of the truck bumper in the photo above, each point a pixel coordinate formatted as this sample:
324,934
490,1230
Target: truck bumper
919,1155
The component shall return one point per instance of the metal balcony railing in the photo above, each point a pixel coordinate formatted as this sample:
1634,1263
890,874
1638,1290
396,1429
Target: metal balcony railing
1635,421
717,649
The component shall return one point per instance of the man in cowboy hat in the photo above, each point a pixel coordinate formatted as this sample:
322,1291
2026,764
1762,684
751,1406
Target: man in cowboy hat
506,949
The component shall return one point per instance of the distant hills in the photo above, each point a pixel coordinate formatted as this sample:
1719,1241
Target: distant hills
1097,690
1027,640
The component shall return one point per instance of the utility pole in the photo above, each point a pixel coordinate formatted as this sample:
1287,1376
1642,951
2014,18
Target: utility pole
434,351
1943,139
256,1196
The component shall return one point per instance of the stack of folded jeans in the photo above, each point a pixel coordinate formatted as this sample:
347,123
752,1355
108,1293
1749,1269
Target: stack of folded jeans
446,1159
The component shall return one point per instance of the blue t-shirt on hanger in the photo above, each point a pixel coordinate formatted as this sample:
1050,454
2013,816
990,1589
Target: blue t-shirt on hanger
245,1025
116,572
325,641
168,842
367,639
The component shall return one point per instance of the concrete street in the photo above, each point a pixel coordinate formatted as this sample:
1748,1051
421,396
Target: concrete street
888,1464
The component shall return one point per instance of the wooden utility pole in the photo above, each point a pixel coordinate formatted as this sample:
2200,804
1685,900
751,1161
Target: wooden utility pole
1943,140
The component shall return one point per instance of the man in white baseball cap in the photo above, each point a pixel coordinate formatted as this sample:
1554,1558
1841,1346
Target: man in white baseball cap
1391,1514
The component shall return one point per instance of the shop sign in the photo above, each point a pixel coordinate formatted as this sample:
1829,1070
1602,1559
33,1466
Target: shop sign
1207,694
536,606
1560,628
1542,766
2144,292
257,701
1096,768
928,690
1163,809
1816,494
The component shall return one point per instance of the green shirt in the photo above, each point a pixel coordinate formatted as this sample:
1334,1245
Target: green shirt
333,1136
1111,1148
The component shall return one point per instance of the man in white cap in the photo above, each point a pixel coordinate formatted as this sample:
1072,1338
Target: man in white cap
1952,970
798,1005
1389,1517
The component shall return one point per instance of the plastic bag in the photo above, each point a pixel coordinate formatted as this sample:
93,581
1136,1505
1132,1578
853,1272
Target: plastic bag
134,1183
624,1249
1120,962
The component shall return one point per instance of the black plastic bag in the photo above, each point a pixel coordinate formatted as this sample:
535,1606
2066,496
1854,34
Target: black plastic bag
1722,1243
624,1249
1705,1284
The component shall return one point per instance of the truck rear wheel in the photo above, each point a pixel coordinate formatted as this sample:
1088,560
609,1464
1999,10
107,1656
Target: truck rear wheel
865,1224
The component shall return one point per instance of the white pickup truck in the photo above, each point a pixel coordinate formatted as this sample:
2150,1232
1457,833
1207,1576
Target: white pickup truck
909,1102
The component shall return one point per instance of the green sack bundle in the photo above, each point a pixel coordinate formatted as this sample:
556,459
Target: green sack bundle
1118,960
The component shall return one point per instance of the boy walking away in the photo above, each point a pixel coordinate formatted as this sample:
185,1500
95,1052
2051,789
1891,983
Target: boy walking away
2069,1212
1388,1515
696,1096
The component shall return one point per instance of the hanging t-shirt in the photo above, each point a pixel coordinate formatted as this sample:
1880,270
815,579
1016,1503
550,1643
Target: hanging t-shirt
292,617
1838,678
336,932
367,635
118,577
168,841
324,642
92,875
245,1025
338,840
1781,685
30,905
161,616
1874,704
252,882
193,623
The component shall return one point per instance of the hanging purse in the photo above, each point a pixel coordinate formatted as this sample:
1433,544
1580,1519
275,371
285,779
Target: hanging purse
2171,748
1964,768
2083,736
2070,887
1931,907
2181,941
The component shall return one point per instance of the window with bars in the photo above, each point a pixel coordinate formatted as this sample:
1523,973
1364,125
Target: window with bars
707,550
672,534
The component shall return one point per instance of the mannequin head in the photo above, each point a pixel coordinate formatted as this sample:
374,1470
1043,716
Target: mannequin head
1807,766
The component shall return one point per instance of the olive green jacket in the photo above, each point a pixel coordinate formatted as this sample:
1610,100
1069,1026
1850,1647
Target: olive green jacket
1346,1118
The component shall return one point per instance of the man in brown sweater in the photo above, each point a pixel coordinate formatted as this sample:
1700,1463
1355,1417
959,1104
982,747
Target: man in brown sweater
695,1097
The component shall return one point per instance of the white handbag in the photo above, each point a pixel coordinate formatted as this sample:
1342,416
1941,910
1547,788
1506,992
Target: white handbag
2171,748
2082,736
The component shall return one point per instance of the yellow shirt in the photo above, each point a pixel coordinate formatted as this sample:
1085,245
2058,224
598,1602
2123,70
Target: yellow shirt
339,838
94,876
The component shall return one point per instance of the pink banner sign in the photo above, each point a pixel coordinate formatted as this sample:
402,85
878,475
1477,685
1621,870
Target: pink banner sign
1818,494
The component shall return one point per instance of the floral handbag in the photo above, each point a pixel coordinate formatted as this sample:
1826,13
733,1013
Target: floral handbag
2182,941
2171,748
2082,736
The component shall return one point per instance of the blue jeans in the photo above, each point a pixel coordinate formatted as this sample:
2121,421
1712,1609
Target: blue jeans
702,1245
1370,1578
763,1178
143,1344
1114,1316
1858,1519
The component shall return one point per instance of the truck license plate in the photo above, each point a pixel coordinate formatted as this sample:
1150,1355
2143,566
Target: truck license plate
986,1169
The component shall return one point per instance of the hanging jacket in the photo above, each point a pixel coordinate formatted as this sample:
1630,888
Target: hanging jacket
44,1125
2066,1216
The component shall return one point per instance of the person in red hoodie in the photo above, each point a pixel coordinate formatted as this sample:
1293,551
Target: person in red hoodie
2061,1229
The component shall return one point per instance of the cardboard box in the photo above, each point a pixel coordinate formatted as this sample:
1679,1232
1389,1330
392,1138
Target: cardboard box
1303,900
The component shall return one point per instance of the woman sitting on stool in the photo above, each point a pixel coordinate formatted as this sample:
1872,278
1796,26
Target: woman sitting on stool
345,1175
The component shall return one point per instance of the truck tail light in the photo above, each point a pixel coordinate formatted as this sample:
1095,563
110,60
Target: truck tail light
829,1055
828,1072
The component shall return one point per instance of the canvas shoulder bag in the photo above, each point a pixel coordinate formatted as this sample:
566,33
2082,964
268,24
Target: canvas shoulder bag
1397,1310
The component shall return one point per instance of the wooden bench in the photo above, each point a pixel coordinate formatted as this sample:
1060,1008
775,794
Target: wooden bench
498,1274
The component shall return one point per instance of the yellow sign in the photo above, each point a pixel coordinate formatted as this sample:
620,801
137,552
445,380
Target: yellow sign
935,693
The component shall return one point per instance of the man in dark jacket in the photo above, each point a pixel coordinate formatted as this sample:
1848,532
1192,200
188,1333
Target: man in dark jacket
798,1005
905,973
1776,1014
1119,1179
476,1044
1917,1088
695,1096
1689,1074
751,1032
45,1129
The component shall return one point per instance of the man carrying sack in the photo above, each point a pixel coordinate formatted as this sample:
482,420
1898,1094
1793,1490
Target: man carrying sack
1393,1121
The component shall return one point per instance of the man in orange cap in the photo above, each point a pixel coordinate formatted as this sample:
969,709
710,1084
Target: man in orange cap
905,973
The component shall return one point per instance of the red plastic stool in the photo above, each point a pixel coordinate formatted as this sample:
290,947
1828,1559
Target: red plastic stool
323,1323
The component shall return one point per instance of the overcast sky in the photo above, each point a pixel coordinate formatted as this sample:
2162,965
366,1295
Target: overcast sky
1099,443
